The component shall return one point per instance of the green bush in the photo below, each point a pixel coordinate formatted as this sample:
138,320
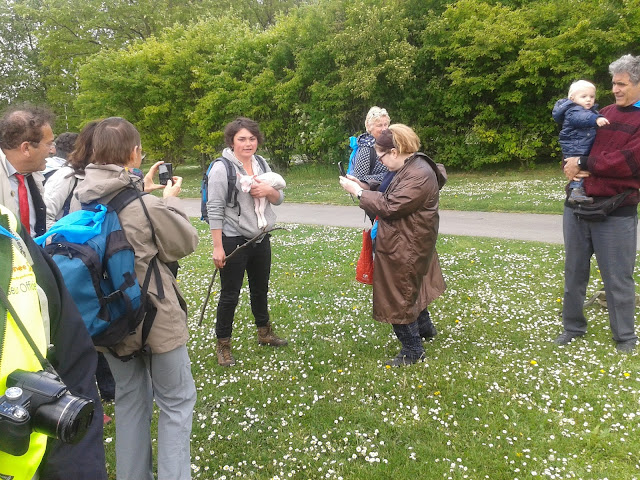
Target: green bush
477,79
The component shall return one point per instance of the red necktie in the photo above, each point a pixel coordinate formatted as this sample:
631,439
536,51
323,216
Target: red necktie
23,203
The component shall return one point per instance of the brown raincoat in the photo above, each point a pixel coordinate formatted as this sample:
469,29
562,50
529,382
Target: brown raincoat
407,275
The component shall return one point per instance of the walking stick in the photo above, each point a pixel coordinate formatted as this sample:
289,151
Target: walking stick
213,277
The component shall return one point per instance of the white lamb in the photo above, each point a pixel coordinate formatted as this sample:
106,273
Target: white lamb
271,178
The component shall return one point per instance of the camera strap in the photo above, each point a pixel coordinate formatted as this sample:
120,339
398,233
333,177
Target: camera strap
43,361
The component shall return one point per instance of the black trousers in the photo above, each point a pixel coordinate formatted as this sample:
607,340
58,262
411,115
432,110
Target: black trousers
256,261
106,383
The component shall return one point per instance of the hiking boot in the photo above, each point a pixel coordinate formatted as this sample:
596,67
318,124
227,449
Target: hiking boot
267,337
626,347
223,350
402,360
566,337
578,195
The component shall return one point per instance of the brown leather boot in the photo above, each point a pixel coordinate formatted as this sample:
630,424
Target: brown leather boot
223,350
267,337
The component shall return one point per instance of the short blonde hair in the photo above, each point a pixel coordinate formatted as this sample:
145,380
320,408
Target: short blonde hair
374,114
579,85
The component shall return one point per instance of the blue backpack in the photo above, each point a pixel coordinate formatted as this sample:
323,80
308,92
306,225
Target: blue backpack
373,156
232,191
98,266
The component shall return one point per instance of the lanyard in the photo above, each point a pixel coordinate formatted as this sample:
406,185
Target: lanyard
7,233
43,361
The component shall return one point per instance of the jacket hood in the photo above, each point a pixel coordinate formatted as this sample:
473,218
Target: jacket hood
560,108
438,168
366,140
103,181
229,155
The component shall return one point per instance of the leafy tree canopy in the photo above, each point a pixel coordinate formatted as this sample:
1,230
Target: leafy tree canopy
475,78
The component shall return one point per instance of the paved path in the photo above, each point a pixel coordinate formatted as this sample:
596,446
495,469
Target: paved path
517,226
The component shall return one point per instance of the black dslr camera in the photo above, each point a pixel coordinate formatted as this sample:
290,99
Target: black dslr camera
39,402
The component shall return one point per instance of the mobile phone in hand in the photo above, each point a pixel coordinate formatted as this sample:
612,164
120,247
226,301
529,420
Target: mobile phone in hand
344,174
165,172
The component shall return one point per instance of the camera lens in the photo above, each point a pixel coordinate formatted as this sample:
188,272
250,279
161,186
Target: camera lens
67,419
54,410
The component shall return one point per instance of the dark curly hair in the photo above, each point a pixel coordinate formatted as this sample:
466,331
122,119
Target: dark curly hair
232,128
23,123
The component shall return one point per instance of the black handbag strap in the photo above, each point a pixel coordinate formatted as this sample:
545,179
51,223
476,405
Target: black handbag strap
43,361
153,264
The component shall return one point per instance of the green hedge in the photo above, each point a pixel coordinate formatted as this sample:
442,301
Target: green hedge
476,79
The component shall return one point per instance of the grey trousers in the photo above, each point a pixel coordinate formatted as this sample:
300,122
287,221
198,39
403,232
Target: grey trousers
614,243
165,377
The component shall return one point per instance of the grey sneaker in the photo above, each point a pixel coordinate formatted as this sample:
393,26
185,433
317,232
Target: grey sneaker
578,195
566,337
626,347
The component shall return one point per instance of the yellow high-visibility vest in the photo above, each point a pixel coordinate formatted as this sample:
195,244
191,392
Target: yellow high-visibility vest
15,351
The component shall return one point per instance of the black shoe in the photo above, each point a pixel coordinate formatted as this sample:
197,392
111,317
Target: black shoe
566,337
427,328
401,360
626,347
428,333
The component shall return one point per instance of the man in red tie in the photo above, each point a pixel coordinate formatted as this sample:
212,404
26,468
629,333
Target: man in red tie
25,139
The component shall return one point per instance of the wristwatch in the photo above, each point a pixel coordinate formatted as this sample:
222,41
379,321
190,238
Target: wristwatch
359,193
582,164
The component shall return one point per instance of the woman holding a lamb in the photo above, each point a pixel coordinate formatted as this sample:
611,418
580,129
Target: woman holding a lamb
233,224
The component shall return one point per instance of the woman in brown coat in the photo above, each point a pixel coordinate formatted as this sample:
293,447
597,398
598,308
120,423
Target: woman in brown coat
407,274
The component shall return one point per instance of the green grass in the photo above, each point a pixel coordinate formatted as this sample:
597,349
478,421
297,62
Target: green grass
495,399
539,190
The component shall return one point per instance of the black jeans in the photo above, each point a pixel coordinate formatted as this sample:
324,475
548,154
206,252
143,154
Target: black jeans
106,383
256,261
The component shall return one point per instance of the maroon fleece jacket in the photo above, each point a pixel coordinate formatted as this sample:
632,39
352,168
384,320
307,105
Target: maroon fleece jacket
614,161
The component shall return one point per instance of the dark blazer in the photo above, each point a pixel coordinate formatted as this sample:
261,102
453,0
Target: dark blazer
38,204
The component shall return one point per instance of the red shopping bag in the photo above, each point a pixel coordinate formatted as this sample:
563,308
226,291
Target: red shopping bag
364,268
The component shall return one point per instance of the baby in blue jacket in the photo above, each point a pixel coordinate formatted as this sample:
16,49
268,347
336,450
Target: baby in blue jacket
579,119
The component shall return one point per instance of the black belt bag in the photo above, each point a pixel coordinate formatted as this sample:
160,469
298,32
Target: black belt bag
598,211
